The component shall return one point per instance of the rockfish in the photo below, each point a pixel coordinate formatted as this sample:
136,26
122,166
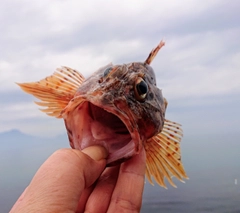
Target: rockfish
119,107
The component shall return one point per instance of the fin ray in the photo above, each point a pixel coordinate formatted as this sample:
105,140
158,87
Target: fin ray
164,155
55,91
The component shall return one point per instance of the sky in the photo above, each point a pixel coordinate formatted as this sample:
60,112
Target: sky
198,69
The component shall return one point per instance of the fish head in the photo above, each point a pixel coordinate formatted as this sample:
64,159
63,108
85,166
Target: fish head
118,107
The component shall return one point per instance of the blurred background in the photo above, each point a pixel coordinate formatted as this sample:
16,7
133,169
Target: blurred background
198,71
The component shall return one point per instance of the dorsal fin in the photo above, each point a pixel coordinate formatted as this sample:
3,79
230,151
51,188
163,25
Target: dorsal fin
163,155
55,91
154,52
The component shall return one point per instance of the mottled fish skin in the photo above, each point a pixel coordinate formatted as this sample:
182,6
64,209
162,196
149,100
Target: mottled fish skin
115,93
119,107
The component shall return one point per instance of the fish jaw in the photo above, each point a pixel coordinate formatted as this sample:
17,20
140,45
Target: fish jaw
88,124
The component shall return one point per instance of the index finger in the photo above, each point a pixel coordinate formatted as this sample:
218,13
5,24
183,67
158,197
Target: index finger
127,195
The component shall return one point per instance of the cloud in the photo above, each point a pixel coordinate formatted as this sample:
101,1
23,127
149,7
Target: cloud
199,66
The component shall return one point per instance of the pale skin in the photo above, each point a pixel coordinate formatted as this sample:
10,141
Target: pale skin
77,181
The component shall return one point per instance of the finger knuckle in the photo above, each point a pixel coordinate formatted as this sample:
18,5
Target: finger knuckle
126,206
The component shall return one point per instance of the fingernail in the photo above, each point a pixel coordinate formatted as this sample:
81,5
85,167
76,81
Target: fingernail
96,152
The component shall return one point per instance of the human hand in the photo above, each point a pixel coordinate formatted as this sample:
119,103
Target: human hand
75,181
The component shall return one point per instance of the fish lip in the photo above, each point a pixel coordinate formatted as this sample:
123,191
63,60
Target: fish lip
122,115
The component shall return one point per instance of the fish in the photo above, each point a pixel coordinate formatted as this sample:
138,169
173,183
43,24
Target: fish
119,107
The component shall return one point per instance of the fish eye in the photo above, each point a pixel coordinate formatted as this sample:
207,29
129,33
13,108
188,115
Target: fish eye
141,89
107,71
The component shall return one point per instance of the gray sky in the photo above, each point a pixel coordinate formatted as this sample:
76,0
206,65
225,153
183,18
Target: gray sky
198,69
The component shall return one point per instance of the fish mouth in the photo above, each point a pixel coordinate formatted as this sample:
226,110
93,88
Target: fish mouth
89,124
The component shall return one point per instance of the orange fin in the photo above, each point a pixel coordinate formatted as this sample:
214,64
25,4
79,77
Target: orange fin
55,91
163,155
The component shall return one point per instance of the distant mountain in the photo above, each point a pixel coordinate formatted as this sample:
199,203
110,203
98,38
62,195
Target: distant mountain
14,134
17,139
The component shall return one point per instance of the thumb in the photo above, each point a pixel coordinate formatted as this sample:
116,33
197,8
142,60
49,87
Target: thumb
59,182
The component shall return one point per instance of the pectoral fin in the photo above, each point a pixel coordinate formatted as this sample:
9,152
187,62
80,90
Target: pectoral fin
163,155
55,91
